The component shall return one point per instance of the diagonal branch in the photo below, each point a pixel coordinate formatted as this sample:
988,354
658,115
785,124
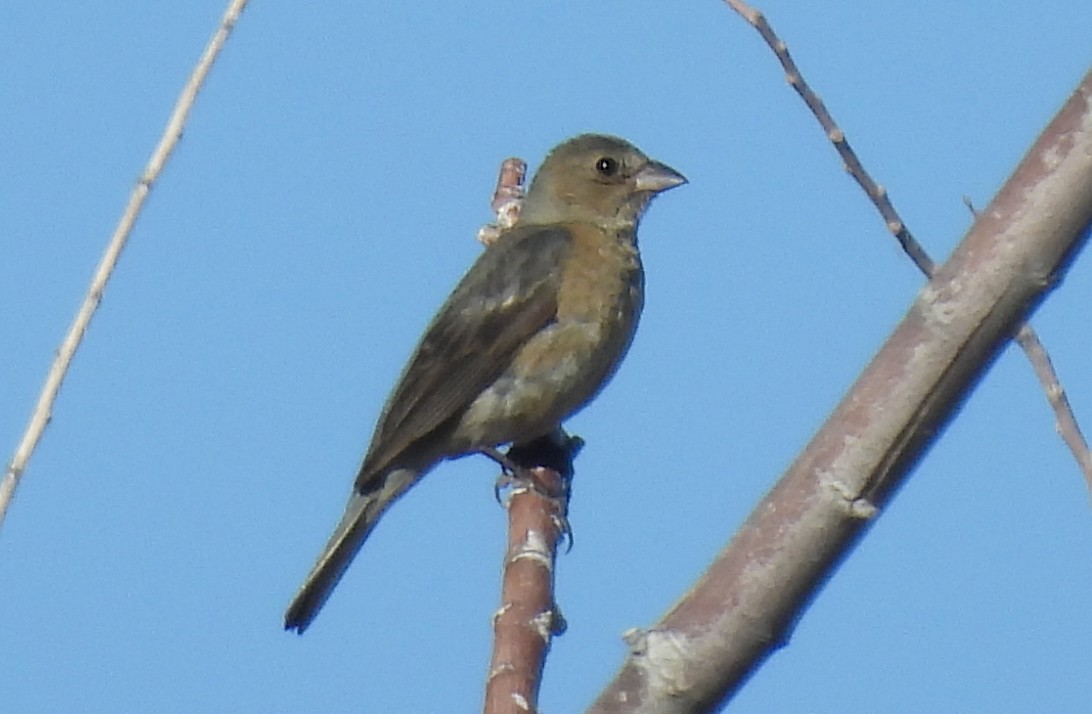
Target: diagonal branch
745,605
1064,421
1028,340
43,410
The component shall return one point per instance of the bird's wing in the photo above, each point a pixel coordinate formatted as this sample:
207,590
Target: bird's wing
507,296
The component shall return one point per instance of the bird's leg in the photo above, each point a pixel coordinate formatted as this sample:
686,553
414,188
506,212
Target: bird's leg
509,471
507,465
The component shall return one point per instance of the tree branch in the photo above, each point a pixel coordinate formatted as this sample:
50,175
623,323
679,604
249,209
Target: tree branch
538,507
43,410
745,605
1028,340
528,618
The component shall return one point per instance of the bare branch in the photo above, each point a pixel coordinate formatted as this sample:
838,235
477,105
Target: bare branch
1026,337
528,617
745,605
507,199
876,193
1064,421
43,411
538,505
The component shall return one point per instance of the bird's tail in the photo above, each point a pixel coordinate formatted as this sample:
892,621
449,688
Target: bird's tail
361,514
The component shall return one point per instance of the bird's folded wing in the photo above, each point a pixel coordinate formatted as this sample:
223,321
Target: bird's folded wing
507,296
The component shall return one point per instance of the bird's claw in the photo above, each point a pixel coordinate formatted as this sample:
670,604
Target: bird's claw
564,531
505,481
514,480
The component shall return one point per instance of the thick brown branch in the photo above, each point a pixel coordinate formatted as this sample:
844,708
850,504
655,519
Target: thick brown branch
744,606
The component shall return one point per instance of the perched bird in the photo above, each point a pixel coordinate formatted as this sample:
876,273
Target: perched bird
532,332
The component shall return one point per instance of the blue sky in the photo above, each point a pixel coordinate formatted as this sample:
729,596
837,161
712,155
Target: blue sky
322,203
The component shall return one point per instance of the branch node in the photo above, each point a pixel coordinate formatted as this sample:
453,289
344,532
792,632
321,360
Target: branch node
534,549
543,624
856,506
500,612
501,669
863,509
635,638
558,624
665,662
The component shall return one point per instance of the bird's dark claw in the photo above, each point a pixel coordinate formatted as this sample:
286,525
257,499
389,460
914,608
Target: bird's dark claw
506,480
513,481
544,466
565,530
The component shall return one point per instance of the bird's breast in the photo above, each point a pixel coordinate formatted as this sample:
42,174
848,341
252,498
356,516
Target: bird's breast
566,363
601,276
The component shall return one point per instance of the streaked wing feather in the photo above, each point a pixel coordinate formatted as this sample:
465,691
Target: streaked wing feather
505,298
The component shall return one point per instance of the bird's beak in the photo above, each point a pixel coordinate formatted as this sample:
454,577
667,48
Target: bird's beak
655,177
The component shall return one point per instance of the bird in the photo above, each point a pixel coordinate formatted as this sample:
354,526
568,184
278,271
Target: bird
532,332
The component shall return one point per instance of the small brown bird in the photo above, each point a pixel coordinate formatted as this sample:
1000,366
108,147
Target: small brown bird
531,334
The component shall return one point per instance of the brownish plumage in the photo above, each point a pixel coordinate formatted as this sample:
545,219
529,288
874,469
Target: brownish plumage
531,333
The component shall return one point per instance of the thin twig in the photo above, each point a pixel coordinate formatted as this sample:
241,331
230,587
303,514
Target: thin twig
1065,422
1026,337
528,617
876,193
507,199
43,411
1040,360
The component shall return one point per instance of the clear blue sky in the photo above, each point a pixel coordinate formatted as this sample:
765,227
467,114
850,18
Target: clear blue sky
321,205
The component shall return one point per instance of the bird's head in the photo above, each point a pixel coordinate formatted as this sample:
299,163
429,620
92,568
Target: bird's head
596,178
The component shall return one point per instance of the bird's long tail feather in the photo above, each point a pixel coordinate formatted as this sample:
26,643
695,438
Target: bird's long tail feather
361,514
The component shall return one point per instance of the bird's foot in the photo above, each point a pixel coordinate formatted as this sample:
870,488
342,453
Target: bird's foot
543,466
546,483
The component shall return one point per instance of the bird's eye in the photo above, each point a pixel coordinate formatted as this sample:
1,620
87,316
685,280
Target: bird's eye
606,166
